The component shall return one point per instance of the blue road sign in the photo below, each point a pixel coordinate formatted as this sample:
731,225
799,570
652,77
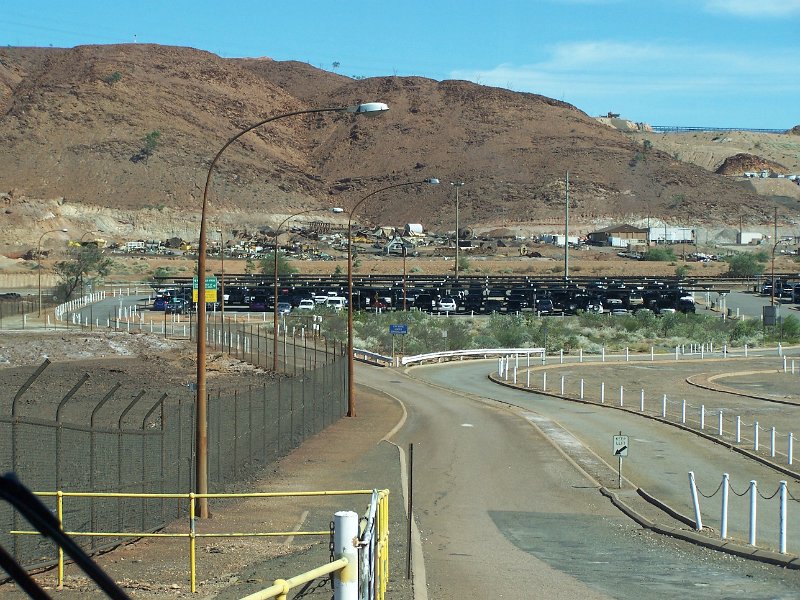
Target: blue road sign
398,329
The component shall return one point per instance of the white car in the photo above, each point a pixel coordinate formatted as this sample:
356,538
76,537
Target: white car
306,304
336,302
446,305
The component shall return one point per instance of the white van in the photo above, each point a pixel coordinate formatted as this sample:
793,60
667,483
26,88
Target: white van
335,302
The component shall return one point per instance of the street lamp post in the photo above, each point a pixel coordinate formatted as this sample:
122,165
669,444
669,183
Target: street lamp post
457,184
351,394
275,287
39,262
201,406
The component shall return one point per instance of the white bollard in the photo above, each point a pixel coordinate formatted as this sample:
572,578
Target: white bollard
772,442
745,350
561,356
790,449
698,521
515,375
780,349
562,385
345,533
604,354
755,436
652,355
782,538
753,512
723,529
581,389
719,424
621,396
725,351
602,392
641,401
544,381
683,411
627,354
677,348
580,354
784,364
528,380
702,417
738,429
664,407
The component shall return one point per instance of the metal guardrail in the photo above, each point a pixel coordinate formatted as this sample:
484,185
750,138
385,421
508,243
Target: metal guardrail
379,506
478,353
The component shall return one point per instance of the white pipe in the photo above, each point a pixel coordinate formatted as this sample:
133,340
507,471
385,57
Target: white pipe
723,529
755,436
698,520
772,442
345,534
753,510
782,538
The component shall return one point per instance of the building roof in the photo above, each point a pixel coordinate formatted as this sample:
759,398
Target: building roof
621,229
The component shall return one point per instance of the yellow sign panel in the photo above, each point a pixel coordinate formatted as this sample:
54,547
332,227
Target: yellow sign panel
211,295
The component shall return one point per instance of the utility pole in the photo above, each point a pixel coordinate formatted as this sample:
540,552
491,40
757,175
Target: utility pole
566,231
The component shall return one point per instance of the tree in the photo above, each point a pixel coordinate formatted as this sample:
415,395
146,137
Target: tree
463,263
267,265
86,262
746,264
662,254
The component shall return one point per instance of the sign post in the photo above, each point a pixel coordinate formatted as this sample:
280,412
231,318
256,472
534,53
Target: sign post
619,445
211,289
397,329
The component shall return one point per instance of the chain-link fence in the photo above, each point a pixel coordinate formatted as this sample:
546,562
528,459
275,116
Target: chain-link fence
57,432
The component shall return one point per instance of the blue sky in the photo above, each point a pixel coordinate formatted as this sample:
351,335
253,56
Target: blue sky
721,63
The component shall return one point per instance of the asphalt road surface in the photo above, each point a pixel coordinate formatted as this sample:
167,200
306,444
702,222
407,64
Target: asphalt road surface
507,502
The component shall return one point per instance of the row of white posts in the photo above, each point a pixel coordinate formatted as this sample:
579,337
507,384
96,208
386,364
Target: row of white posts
752,521
694,350
510,375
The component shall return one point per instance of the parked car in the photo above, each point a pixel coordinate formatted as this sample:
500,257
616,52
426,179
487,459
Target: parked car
284,308
306,304
176,306
447,305
337,303
618,312
160,303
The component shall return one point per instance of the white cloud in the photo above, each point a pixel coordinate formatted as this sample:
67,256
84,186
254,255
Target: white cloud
750,8
615,69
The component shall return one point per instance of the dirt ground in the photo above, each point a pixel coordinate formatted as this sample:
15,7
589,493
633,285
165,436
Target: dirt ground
347,455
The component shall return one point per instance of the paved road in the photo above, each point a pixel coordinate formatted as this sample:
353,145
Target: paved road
503,512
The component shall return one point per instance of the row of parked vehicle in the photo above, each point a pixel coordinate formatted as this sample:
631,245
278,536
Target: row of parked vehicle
451,297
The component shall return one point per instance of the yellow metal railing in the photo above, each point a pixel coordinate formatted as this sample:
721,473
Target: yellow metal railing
281,586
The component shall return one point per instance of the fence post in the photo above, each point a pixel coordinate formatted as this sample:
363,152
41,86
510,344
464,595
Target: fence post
772,442
753,510
698,521
345,531
723,529
528,379
782,539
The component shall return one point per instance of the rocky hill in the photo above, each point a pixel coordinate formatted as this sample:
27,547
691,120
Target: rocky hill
119,138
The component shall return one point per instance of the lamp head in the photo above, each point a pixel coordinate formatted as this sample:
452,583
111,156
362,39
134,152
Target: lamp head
431,180
368,108
457,183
